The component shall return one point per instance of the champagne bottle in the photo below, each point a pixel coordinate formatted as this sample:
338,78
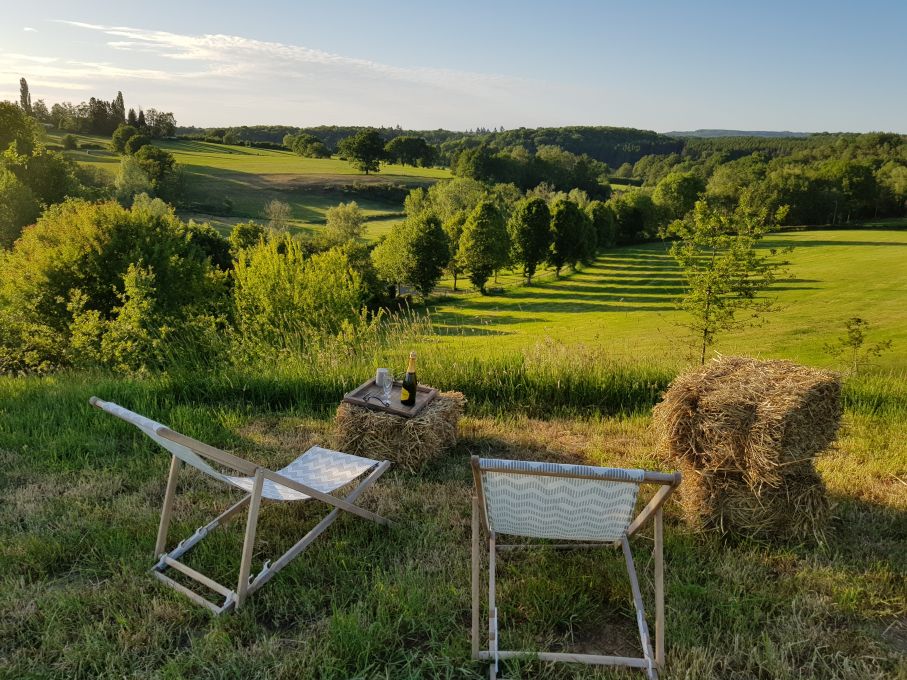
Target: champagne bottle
408,390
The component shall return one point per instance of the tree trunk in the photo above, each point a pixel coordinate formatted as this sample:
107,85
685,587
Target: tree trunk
455,281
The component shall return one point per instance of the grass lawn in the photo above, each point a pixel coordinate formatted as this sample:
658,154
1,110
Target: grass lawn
624,303
81,494
250,177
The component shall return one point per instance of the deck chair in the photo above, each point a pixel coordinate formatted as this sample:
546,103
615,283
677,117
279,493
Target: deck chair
315,474
589,506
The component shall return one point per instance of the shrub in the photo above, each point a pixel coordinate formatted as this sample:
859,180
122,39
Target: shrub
18,207
75,260
245,235
283,299
121,136
70,142
131,181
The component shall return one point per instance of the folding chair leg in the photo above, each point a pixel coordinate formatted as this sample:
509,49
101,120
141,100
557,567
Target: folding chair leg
659,590
475,578
651,673
492,609
161,543
248,547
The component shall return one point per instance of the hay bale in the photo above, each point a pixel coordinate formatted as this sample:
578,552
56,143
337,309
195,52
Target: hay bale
744,433
408,442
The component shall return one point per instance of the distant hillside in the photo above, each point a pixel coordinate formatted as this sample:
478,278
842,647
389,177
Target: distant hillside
738,133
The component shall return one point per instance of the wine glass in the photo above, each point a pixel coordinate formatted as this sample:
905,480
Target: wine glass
385,381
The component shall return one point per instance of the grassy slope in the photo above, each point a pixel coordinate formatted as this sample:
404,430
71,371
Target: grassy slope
251,177
624,303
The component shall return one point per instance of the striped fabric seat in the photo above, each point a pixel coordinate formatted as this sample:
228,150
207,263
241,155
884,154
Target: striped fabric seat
550,500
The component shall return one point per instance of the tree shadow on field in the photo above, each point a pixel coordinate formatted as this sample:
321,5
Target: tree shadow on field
768,243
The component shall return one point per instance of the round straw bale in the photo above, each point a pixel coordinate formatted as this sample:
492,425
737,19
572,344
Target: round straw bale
408,442
744,433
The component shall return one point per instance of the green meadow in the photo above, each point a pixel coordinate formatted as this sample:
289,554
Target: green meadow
563,370
247,178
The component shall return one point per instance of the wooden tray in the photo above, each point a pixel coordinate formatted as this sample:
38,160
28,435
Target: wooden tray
358,397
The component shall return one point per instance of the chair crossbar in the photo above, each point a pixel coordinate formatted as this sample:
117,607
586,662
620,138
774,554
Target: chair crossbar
592,659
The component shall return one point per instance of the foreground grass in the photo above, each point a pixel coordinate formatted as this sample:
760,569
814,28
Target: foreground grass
81,494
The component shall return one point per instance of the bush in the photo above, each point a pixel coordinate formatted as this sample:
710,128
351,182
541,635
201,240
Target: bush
78,256
283,299
70,142
131,181
18,207
121,136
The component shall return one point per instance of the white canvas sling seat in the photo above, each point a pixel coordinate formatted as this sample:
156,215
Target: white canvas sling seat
314,475
585,505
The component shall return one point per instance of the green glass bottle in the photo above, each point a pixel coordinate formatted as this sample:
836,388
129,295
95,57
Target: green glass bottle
408,390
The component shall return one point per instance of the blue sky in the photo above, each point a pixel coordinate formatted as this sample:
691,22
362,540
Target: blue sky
809,66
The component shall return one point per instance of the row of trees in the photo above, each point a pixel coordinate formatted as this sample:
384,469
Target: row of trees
464,227
96,116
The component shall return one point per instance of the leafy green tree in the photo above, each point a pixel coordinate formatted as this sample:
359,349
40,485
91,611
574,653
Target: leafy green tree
453,227
604,222
18,207
306,145
209,241
131,180
677,193
635,215
484,244
409,150
245,235
414,254
344,222
567,231
159,165
69,142
134,143
364,150
16,127
121,136
132,119
530,235
724,271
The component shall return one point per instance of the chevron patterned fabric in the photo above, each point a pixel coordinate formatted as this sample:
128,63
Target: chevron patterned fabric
322,469
592,508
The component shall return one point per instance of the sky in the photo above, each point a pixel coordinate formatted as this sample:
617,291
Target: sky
800,66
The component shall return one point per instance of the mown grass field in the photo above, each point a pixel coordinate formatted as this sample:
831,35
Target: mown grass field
250,177
624,303
562,371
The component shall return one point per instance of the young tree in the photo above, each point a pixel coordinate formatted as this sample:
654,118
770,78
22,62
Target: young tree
278,215
135,142
724,271
131,181
453,227
414,254
364,150
245,235
119,109
345,222
530,234
484,244
566,234
851,345
140,121
132,119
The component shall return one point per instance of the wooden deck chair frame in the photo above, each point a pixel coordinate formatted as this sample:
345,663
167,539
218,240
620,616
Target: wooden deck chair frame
651,661
234,599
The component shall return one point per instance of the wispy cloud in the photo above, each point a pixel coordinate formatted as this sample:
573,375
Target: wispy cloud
222,79
238,57
29,29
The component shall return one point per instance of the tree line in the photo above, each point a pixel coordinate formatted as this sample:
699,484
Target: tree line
96,116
